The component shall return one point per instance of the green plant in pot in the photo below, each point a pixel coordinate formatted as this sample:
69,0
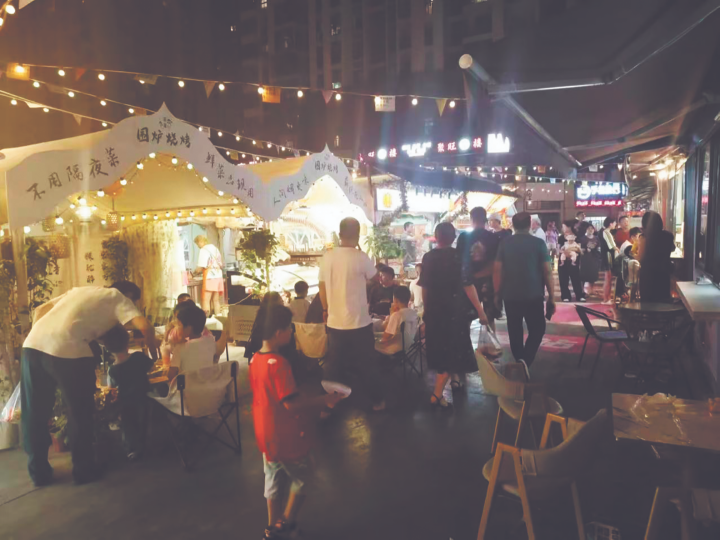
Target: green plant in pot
382,246
114,257
258,250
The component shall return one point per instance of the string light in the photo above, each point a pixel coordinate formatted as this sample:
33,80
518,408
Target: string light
45,109
131,110
61,72
235,200
338,97
13,102
414,101
101,193
227,152
10,9
261,90
140,165
103,102
36,84
221,87
104,124
123,182
174,160
59,220
300,93
221,193
452,104
237,138
204,210
101,76
71,93
190,166
219,133
243,155
181,84
151,155
144,216
269,145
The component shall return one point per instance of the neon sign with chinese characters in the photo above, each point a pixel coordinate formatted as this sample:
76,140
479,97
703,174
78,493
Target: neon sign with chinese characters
497,144
600,194
422,149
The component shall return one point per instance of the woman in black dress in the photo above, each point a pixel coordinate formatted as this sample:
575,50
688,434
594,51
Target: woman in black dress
447,333
654,250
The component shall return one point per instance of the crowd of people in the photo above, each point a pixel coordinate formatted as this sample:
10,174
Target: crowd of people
482,274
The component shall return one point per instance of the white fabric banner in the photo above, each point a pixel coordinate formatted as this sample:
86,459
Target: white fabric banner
385,103
40,182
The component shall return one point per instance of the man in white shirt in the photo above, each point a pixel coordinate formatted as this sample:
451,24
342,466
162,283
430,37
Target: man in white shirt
416,291
391,341
344,272
57,352
536,228
210,265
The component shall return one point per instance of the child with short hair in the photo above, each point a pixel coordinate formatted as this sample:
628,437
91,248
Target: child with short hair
300,305
391,341
130,374
280,414
198,348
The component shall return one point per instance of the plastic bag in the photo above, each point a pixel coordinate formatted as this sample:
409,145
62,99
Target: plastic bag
11,411
489,344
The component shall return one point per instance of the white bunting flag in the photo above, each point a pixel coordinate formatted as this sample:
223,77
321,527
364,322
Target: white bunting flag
385,103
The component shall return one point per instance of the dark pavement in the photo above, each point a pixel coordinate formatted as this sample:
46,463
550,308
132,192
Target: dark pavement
410,472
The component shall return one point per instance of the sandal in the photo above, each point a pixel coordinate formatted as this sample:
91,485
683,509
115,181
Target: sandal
456,385
439,402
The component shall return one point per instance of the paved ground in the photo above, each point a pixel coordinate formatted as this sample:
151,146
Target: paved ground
409,473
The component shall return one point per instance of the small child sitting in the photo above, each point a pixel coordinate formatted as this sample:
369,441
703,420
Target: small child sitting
280,413
391,341
198,348
172,334
300,305
130,374
570,250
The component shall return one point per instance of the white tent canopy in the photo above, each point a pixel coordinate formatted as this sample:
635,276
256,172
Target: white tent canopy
38,178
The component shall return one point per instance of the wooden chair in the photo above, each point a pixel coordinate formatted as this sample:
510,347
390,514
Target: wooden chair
517,398
531,474
613,335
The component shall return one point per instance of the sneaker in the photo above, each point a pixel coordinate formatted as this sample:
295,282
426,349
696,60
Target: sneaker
271,533
527,369
583,299
566,300
288,530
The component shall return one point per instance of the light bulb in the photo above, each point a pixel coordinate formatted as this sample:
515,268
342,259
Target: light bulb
122,218
179,213
36,84
219,133
142,82
338,97
155,216
82,201
254,142
192,213
45,109
10,9
72,206
103,102
452,104
227,152
174,161
151,155
104,124
94,208
144,216
235,200
217,211
167,214
232,210
378,100
205,179
26,229
199,128
300,93
282,148
13,102
59,220
123,182
237,138
414,101
221,193
221,87
190,166
1,23
100,193
204,210
261,90
140,165
134,217
101,76
61,72
269,145
181,84
243,155
131,110
103,222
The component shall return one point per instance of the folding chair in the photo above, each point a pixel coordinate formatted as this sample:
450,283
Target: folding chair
407,356
199,395
613,335
217,334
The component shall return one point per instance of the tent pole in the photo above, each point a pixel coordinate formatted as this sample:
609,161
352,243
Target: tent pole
18,247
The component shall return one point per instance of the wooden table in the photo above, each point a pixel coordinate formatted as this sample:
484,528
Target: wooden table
677,422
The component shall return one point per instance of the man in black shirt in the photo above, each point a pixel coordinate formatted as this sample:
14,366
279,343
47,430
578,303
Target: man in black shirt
381,296
478,249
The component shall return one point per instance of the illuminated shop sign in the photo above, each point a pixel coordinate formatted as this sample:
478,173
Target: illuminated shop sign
389,200
497,144
600,194
421,149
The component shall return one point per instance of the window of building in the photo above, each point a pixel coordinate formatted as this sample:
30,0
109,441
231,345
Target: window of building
233,28
337,85
335,30
263,4
706,194
337,141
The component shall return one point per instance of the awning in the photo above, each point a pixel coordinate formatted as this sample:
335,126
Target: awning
39,178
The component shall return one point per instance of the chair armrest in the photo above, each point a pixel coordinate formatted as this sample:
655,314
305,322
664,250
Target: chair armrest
549,421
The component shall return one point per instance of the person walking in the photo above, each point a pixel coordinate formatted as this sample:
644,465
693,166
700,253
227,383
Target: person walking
609,251
536,228
477,250
495,224
344,273
568,272
57,352
447,332
590,259
522,273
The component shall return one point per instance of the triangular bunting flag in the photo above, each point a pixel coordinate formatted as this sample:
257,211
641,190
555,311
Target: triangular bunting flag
441,104
24,3
205,130
271,94
79,72
296,153
34,105
233,155
209,85
140,112
327,94
78,118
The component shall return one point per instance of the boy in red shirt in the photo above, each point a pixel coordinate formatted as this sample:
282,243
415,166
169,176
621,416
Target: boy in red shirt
279,429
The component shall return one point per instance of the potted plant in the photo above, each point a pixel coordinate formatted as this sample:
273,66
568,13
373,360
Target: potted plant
258,250
382,246
114,257
58,424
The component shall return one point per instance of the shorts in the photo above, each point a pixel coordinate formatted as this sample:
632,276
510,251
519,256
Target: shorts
300,474
214,285
486,295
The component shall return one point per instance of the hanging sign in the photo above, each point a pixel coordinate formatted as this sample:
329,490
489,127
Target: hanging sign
600,194
271,94
40,182
496,144
385,103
